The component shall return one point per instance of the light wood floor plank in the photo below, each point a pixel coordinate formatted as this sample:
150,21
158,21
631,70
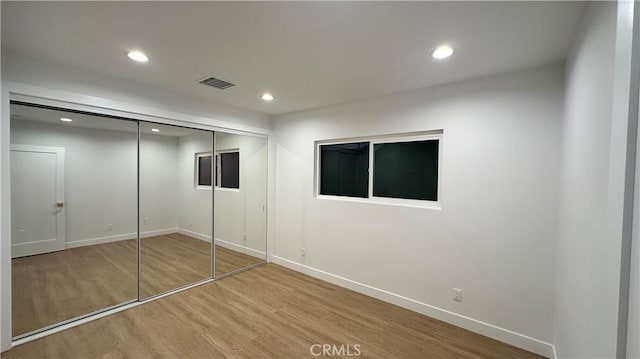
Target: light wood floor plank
53,287
266,312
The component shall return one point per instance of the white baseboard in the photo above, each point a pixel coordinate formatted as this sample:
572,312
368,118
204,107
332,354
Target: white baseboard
158,232
119,237
31,248
241,249
100,240
223,243
504,335
196,235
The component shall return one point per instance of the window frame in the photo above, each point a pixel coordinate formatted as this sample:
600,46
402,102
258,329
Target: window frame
217,180
196,178
373,140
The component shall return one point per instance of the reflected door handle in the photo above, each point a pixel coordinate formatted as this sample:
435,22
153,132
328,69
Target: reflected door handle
60,204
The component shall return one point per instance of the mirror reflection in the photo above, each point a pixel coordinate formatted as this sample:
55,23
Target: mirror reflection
74,210
175,207
240,201
108,211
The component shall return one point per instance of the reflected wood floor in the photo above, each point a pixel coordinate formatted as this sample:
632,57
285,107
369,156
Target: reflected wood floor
53,287
266,312
172,261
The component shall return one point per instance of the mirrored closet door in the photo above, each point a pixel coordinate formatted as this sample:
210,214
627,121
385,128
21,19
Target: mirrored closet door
240,202
175,207
107,211
73,215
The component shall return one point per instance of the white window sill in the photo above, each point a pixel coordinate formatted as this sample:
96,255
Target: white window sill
224,189
411,203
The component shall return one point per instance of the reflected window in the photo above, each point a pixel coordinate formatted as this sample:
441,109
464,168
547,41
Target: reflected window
203,170
228,169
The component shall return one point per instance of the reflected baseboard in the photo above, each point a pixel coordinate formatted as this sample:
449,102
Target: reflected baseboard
120,237
226,244
160,232
196,235
241,249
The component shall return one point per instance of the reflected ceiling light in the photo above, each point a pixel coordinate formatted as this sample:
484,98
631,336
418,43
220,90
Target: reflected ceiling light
442,52
138,56
64,119
155,130
267,96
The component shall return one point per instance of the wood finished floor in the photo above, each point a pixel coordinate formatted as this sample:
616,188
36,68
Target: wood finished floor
53,287
266,312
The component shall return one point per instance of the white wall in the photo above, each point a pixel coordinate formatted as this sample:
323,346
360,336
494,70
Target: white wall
587,279
101,168
240,215
495,234
633,317
159,191
96,172
195,204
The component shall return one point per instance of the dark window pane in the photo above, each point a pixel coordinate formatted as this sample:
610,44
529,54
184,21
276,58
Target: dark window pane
216,170
344,169
204,171
406,170
230,170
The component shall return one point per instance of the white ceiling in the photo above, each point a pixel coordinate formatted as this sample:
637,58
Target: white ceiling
308,54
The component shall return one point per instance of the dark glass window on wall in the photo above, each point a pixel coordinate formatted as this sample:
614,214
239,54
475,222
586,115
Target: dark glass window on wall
344,169
230,170
406,170
204,170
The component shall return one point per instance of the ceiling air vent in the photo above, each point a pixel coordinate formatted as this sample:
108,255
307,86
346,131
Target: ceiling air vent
217,83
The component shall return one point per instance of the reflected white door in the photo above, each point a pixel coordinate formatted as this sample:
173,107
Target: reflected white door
37,200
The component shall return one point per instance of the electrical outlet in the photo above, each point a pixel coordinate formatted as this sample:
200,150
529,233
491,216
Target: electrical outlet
303,252
457,294
244,237
146,219
109,227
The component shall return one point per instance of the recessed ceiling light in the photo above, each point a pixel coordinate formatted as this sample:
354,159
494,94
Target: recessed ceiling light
155,130
442,52
64,119
267,96
138,56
